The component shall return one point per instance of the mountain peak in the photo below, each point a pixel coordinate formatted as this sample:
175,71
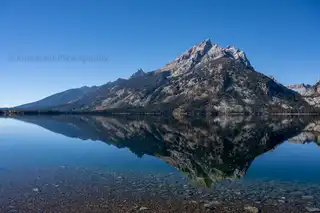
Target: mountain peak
299,86
139,73
207,51
207,42
238,54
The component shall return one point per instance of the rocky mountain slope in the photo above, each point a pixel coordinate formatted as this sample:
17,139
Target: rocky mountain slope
206,78
206,151
65,97
310,93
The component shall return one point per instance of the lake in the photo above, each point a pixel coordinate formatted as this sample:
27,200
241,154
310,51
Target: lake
146,164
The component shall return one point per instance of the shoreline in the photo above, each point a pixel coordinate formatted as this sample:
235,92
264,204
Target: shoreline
10,113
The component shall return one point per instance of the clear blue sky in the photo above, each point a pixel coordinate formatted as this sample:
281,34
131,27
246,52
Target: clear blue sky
281,38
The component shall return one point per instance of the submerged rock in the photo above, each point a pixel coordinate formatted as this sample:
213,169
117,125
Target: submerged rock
143,208
307,197
211,204
251,209
312,209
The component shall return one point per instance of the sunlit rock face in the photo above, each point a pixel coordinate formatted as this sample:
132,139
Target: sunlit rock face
203,52
310,93
206,151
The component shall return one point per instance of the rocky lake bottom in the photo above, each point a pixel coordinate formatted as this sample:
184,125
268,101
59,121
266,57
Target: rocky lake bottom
70,169
83,190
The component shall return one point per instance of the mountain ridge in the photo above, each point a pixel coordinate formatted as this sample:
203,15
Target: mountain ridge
58,98
206,78
311,93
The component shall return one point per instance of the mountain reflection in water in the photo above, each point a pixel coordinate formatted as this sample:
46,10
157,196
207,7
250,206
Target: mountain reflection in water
206,151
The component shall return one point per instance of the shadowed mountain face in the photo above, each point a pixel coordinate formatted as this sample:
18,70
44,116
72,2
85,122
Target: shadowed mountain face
206,151
206,78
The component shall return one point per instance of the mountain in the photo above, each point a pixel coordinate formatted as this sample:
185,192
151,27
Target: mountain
206,151
205,52
61,98
206,78
310,93
139,73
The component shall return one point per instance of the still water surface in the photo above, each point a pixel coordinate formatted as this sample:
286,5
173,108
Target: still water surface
44,160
